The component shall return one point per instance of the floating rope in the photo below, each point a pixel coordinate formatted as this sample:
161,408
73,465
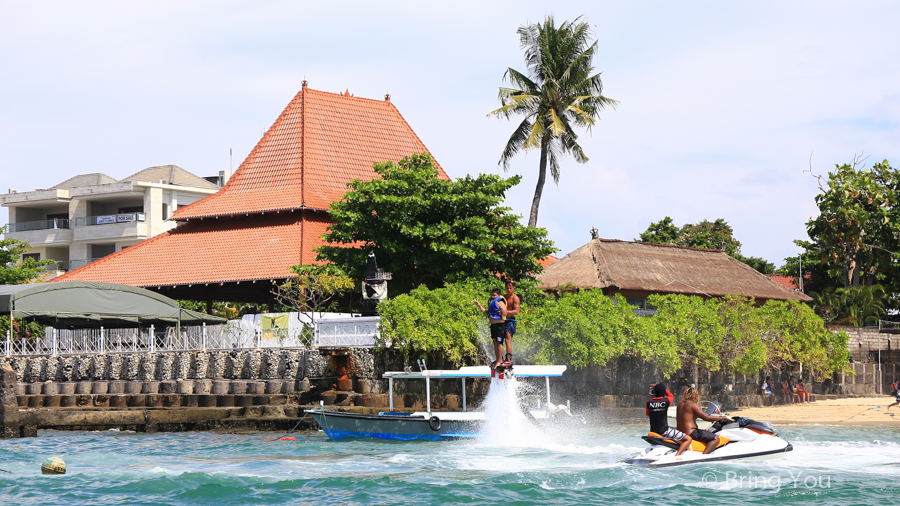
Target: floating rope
292,430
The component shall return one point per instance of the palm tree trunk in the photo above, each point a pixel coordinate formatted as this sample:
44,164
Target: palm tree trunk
542,176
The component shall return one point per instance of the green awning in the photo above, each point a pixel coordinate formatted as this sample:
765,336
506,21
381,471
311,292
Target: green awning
95,304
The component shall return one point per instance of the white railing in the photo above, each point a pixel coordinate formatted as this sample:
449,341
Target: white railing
335,332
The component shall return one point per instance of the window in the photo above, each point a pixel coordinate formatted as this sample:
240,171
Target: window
640,303
34,256
165,212
132,209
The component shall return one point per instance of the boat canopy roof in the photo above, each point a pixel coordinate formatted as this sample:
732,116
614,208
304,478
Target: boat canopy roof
483,371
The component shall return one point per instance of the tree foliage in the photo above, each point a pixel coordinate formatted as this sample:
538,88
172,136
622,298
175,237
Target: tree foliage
585,328
857,231
442,321
15,270
428,231
706,234
312,288
558,92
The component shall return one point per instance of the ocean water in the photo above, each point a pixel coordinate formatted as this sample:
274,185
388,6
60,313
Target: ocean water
513,463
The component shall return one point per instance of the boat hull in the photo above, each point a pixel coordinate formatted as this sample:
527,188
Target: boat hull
397,426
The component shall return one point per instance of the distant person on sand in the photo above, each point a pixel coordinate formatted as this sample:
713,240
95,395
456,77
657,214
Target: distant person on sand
658,411
795,394
799,390
895,391
513,306
683,386
786,391
496,313
766,391
687,414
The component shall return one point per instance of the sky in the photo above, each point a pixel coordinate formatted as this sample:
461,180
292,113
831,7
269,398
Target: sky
724,106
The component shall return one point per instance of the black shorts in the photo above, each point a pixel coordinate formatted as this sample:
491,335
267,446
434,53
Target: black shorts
498,332
704,436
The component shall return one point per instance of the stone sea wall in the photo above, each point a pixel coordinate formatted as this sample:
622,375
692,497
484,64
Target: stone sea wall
161,366
355,380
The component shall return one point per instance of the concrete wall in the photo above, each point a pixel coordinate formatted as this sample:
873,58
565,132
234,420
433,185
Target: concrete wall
864,342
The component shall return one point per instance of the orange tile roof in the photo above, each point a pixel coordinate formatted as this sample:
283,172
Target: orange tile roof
213,251
546,262
788,281
319,143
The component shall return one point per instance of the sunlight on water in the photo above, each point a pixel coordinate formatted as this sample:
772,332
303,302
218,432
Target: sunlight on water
514,462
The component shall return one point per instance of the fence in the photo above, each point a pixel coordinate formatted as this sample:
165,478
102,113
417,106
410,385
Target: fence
334,332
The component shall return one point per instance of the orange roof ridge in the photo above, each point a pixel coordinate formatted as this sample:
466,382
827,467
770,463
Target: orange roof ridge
319,143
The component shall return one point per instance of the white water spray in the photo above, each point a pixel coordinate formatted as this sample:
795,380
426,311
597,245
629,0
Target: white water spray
505,421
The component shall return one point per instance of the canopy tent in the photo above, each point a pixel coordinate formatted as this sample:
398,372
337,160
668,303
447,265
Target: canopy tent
95,304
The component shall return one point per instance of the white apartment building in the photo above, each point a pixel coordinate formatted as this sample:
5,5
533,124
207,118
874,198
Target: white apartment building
90,216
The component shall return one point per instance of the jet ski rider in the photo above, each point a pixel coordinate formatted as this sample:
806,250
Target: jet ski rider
687,414
657,410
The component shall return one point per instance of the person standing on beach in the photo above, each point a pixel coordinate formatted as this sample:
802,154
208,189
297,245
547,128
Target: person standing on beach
513,306
895,391
766,391
496,313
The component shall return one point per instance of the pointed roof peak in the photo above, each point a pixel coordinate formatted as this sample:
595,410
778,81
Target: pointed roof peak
319,143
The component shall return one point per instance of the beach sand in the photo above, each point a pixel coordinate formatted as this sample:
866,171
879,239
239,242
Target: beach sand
854,411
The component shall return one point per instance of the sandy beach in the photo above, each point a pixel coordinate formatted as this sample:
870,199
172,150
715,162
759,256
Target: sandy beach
855,411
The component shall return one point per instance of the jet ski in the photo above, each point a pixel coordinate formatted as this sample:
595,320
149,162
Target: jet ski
739,438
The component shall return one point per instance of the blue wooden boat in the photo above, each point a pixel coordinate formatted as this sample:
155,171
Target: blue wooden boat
428,424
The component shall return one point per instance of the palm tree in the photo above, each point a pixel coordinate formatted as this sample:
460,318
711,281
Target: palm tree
558,94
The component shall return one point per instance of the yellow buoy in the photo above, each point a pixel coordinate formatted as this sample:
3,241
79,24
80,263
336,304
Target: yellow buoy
53,465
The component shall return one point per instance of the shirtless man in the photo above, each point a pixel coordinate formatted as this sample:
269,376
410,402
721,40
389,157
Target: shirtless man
496,313
687,413
513,306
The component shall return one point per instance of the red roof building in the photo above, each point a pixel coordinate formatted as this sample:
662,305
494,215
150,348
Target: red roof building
272,212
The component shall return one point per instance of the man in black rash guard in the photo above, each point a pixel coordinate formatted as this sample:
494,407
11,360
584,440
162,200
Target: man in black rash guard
657,410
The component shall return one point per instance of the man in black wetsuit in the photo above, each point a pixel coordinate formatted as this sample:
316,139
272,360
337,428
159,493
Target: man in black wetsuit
657,410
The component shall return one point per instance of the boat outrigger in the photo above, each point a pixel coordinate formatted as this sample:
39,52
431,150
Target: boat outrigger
429,425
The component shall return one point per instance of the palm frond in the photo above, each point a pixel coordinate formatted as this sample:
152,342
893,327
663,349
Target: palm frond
522,81
553,156
515,143
535,135
556,124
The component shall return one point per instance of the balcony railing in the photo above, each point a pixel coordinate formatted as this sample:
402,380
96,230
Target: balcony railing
57,265
74,264
109,219
24,226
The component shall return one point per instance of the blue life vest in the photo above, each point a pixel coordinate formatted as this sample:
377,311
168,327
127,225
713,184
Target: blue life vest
494,309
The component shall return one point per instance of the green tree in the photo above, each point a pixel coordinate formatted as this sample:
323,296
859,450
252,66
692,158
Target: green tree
706,234
15,270
312,288
857,232
428,231
663,231
558,92
442,321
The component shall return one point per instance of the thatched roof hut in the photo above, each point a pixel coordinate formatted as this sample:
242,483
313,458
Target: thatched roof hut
639,269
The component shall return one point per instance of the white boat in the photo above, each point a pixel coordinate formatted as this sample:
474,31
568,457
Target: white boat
428,424
739,438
